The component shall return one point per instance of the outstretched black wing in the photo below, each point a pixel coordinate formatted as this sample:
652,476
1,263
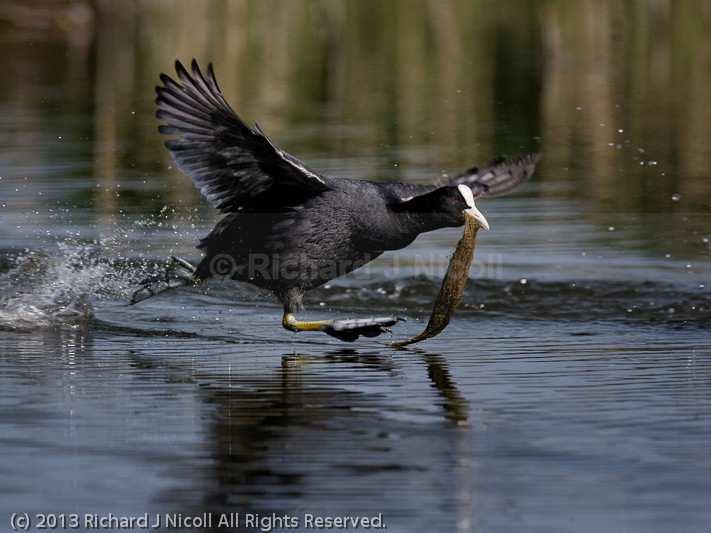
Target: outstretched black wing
233,165
499,177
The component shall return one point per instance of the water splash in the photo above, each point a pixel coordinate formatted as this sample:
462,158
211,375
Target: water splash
40,289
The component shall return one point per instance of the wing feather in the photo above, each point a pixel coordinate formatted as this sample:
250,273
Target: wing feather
500,177
234,166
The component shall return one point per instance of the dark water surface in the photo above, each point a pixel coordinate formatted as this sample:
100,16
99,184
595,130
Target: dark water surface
572,392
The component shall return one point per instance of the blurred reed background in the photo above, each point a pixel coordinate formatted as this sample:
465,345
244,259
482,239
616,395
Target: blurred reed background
614,93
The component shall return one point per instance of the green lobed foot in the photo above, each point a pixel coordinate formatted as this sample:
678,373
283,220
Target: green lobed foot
349,330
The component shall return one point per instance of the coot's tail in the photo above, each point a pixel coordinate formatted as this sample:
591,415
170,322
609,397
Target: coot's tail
499,177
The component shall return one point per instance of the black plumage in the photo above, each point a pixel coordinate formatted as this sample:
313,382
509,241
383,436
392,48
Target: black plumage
286,227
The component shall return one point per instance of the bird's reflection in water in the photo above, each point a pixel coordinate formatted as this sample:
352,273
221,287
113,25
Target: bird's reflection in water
454,404
308,439
347,355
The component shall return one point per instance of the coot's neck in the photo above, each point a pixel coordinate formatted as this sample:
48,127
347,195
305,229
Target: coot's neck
406,226
417,222
424,212
427,211
420,213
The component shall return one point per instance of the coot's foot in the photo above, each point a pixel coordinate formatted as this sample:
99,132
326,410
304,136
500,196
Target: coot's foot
178,273
347,330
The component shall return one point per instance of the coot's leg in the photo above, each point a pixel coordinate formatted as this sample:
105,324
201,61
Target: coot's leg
178,268
346,330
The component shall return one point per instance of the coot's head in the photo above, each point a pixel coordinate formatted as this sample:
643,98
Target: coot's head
471,209
445,207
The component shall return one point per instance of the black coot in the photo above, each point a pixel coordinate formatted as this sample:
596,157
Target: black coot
288,228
